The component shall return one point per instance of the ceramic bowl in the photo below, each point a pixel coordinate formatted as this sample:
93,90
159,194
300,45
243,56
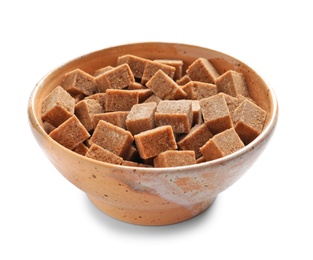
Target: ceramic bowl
153,196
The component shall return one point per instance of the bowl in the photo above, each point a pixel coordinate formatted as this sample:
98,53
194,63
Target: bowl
153,196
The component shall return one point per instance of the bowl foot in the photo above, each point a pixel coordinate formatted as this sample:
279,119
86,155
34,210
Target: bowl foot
164,216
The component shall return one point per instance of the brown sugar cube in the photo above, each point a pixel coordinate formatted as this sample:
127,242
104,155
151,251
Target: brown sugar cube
177,64
87,143
164,87
200,160
242,98
196,112
85,109
174,158
232,83
249,120
98,153
117,78
148,161
70,133
81,149
135,164
153,98
183,80
121,100
136,64
199,90
78,97
115,139
117,118
79,82
144,94
131,163
141,117
221,145
216,114
100,97
152,67
195,139
48,127
152,142
132,154
102,70
57,107
176,113
202,70
136,85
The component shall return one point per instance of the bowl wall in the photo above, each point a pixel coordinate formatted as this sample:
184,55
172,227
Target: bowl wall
153,196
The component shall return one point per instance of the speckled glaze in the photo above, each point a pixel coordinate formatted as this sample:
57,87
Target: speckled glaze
153,196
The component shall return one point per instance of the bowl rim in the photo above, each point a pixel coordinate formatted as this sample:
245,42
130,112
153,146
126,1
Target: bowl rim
35,124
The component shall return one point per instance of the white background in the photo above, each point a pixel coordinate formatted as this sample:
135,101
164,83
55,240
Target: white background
267,214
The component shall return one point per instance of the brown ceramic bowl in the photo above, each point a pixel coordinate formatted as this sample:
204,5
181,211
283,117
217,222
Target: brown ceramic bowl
153,196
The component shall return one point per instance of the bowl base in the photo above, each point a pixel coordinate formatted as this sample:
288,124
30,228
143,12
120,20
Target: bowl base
150,217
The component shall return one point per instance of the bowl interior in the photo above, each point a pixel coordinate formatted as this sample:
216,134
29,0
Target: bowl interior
258,89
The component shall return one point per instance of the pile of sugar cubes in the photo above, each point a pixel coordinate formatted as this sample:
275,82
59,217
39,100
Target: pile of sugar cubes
150,113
